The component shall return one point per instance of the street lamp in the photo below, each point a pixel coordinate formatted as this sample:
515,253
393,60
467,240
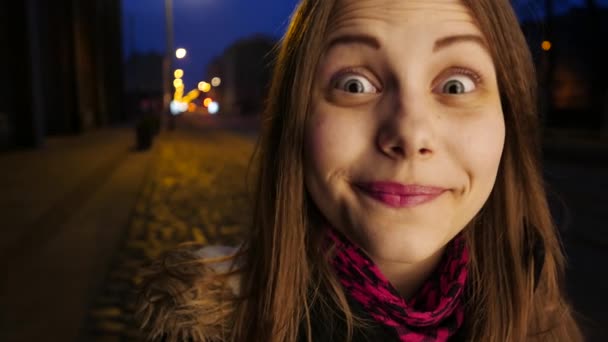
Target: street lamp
172,105
180,53
213,108
204,87
179,73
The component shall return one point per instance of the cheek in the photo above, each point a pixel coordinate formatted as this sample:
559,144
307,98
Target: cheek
332,142
482,149
319,143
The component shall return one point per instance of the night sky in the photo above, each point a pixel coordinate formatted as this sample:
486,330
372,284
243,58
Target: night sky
206,27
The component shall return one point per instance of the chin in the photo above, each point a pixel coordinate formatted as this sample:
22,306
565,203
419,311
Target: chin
404,245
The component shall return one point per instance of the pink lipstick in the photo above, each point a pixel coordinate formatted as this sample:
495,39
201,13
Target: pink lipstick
398,195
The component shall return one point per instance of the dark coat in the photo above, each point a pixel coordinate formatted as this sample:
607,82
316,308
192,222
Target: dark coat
334,328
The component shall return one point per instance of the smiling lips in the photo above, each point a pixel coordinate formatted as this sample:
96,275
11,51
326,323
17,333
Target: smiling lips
398,195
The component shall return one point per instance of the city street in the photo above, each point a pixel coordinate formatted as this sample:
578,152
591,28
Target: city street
192,187
127,129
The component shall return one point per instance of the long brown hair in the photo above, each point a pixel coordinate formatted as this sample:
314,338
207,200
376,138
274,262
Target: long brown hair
283,269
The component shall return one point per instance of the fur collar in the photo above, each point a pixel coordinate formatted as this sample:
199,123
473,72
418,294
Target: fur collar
185,296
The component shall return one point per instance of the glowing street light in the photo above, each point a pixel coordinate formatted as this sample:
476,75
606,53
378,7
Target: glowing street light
207,102
193,94
180,53
204,87
179,73
179,94
177,83
546,45
178,107
216,81
213,108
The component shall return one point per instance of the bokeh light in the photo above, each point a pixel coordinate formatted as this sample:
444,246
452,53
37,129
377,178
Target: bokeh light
193,94
178,107
216,81
180,53
204,87
213,108
179,73
207,102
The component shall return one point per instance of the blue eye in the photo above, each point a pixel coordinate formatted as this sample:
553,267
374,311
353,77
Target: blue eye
355,84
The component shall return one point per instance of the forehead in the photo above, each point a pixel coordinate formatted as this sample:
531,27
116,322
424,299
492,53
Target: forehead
445,13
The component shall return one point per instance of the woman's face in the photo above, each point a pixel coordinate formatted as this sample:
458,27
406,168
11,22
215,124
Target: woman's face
406,132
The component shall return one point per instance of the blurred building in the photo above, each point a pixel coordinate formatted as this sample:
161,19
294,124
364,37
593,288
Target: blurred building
572,71
62,68
245,69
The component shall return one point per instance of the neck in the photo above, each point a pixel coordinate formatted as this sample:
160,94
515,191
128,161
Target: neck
406,277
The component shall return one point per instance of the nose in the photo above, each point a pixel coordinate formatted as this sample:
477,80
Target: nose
407,131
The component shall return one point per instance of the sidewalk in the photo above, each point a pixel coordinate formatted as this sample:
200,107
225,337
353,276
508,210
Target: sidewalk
196,192
64,208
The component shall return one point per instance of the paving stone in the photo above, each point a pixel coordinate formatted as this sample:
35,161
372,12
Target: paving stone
130,264
133,334
114,338
121,274
107,312
137,244
118,286
110,327
108,300
137,228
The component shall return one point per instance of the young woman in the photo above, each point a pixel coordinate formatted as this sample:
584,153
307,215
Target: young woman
398,195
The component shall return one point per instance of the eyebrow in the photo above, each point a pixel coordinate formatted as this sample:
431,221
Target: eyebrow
348,39
445,42
372,42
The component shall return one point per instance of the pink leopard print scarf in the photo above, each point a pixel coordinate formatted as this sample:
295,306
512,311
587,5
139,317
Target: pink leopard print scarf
434,314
